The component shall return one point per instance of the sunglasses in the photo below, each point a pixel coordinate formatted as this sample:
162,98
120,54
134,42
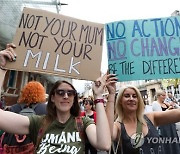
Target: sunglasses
61,92
86,103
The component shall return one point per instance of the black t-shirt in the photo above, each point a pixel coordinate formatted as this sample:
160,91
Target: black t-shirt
151,143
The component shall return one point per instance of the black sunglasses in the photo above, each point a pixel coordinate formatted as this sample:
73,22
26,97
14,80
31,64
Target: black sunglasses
86,103
61,92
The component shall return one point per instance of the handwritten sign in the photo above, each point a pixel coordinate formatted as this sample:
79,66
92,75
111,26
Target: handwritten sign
59,45
144,49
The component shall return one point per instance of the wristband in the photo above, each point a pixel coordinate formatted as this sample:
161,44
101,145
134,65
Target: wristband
98,101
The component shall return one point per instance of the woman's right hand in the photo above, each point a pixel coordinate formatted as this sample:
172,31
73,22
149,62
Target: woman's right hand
170,107
8,53
98,86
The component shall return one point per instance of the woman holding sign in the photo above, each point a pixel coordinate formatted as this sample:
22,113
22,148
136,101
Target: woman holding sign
61,130
132,131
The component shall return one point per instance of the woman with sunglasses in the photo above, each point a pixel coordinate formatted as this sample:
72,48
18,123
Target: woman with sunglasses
57,132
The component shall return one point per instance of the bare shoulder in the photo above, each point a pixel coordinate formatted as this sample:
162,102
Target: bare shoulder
117,125
116,130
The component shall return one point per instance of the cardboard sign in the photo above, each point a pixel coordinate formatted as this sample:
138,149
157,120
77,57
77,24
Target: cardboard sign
56,44
144,49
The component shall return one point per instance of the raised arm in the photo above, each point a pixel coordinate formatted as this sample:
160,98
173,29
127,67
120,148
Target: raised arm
14,123
166,117
111,86
99,134
8,53
9,121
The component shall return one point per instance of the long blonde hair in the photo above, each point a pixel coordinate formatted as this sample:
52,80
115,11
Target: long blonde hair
119,108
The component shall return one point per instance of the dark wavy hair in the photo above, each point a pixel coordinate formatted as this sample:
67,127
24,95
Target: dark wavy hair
51,108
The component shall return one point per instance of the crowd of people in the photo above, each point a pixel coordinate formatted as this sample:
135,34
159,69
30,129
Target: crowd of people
163,103
119,127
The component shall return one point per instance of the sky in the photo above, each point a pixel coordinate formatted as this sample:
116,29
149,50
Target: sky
103,11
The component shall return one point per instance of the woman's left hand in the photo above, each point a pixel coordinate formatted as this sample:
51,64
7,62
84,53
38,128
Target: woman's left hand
8,53
111,81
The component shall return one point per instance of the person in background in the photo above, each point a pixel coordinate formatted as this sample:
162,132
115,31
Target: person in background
171,100
133,129
60,121
31,101
33,94
89,109
160,104
91,113
80,100
169,130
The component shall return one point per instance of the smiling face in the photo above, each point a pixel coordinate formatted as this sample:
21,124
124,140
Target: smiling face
129,100
63,98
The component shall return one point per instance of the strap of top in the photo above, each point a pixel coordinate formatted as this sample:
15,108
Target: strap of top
138,135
